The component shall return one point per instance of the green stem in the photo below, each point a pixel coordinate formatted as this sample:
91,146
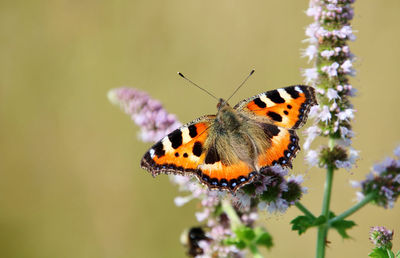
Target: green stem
303,209
323,229
232,215
236,223
368,198
254,250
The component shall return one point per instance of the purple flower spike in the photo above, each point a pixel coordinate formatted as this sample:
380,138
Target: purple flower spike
328,37
153,120
381,237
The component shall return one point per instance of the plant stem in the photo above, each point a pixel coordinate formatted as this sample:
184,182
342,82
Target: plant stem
254,250
303,209
323,229
232,215
235,223
368,198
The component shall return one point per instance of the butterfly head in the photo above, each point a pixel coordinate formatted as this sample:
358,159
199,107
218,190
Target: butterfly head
226,116
221,104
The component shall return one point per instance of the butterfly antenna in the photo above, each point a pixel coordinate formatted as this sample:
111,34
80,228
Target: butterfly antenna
180,74
248,76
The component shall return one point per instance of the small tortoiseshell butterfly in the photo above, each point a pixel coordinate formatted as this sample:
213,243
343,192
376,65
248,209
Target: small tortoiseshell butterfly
226,150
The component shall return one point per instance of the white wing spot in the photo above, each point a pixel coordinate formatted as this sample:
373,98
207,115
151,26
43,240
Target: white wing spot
297,88
266,100
284,94
185,135
152,151
167,144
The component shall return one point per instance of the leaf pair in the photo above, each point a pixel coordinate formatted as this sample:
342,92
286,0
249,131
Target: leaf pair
302,223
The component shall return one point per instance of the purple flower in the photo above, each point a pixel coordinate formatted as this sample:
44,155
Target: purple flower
383,182
310,75
347,67
332,94
331,70
381,237
312,157
325,114
327,53
153,120
310,52
312,132
397,151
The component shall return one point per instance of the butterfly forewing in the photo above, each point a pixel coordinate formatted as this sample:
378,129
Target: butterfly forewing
286,107
180,151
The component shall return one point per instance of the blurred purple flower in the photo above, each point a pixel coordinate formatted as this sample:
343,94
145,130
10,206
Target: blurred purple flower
154,121
381,237
383,181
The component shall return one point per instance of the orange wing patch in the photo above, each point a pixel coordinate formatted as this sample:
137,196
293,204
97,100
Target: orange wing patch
180,151
287,107
230,177
283,148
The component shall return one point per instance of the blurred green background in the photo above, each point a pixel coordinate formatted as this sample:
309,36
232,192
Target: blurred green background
70,181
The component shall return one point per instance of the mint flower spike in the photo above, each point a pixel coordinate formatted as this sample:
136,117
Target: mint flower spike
154,121
381,237
272,191
327,37
383,181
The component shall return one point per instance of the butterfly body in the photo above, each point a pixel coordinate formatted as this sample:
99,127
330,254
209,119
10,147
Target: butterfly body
226,150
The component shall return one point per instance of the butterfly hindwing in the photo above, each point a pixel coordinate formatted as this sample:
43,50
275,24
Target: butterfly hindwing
283,147
286,107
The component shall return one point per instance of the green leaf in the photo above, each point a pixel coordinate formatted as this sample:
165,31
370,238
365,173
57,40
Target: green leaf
302,223
264,239
378,253
342,225
245,233
236,242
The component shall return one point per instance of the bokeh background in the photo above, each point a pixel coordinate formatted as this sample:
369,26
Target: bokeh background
70,182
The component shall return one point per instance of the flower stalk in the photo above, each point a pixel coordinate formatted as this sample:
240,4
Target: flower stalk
367,199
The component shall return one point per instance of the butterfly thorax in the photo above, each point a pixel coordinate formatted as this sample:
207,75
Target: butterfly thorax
233,137
227,118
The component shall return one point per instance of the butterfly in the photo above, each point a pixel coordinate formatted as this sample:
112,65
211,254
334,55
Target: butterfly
226,151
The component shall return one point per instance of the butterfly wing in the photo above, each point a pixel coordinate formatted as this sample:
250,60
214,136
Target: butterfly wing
283,145
279,112
189,150
286,107
180,151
